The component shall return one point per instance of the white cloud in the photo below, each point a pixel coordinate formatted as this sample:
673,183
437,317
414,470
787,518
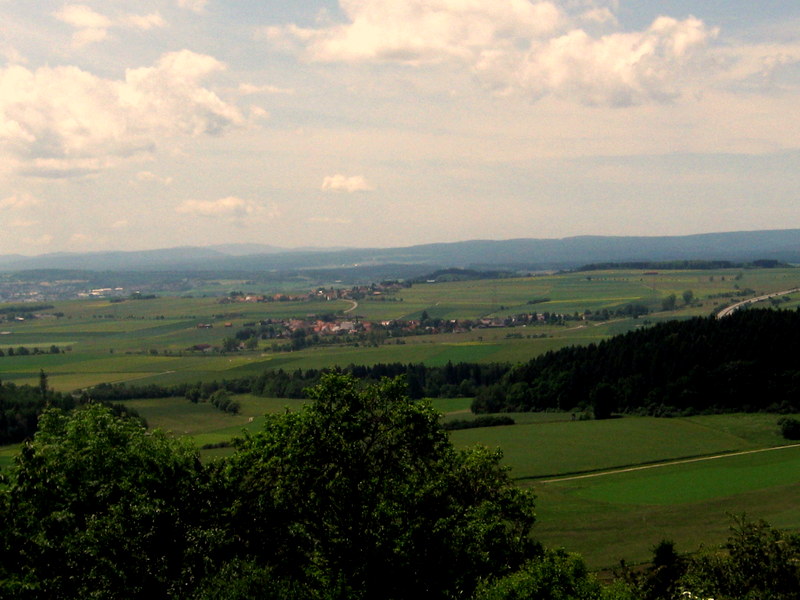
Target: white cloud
532,47
419,31
63,120
231,208
249,88
144,22
257,112
93,27
81,16
148,176
17,201
616,69
197,6
121,224
343,183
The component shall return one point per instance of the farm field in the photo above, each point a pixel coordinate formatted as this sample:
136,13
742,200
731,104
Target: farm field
605,518
614,513
146,341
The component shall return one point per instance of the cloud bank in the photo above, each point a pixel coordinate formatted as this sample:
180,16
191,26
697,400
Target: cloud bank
63,121
534,48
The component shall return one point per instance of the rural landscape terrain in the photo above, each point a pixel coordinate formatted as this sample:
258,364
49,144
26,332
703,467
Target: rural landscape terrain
208,363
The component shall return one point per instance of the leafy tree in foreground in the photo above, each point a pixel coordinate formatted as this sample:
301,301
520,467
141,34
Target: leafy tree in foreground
361,495
97,507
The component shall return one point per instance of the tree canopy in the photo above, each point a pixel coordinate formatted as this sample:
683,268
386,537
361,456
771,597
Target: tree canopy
358,495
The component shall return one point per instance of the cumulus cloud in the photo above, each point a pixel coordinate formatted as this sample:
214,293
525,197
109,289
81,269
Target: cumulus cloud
343,183
419,31
230,208
249,88
93,27
148,176
59,121
528,46
197,6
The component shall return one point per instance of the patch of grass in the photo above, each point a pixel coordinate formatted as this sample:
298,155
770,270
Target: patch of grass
623,515
697,481
538,450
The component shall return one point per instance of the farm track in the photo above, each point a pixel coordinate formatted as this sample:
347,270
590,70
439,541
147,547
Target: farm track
664,464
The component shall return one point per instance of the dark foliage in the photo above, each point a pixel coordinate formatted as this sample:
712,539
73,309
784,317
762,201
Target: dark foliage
482,421
745,362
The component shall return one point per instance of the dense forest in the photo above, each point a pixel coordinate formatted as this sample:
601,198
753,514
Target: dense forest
744,362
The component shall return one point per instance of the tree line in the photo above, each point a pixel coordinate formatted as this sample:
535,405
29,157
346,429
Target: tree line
744,362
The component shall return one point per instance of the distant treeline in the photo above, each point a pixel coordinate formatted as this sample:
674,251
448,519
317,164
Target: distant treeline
745,362
15,309
456,274
674,265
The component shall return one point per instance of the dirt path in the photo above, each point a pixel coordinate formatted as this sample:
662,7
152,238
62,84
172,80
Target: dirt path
352,308
665,464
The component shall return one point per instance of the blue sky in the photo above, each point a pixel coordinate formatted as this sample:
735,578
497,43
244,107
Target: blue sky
133,125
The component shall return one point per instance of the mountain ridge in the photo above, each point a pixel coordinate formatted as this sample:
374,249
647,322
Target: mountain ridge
516,253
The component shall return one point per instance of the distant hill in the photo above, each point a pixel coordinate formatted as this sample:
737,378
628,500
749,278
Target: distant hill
515,254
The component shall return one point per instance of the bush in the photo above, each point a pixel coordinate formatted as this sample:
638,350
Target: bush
484,421
790,428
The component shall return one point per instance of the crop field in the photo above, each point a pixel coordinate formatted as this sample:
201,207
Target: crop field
642,486
147,340
605,517
607,489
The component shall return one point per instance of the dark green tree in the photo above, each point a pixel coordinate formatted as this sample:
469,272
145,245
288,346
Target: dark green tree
361,495
669,302
97,507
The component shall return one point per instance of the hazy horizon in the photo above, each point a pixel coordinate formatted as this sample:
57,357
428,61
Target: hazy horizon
392,123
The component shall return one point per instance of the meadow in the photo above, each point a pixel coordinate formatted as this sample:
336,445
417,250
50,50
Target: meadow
606,489
147,341
609,516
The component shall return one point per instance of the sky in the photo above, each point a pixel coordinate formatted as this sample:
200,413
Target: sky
374,123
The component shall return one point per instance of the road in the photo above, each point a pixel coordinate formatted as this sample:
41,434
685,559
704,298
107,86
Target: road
352,308
725,312
665,464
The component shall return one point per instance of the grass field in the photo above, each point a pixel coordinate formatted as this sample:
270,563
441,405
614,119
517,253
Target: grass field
615,515
146,340
624,515
605,518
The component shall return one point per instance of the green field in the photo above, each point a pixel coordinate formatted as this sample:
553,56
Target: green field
612,515
689,474
605,518
147,340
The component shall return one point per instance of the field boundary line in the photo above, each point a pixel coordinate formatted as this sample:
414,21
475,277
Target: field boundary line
664,464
